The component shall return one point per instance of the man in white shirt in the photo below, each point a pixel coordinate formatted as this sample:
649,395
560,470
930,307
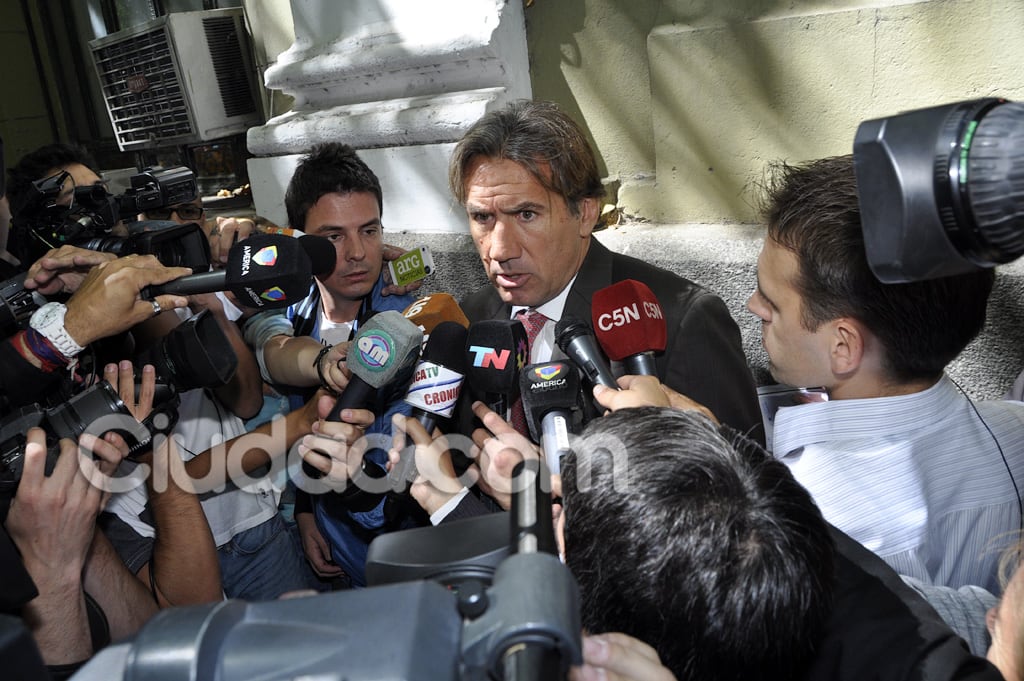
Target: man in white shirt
898,458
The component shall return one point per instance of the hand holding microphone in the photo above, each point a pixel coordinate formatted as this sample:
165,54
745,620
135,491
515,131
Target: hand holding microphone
434,391
265,271
386,345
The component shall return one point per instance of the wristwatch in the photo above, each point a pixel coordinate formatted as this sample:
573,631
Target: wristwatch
49,321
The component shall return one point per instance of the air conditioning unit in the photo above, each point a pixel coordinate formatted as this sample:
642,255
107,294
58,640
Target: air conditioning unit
183,78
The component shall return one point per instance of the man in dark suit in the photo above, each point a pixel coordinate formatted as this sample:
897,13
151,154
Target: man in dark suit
529,182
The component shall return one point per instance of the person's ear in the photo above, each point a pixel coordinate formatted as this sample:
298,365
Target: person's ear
847,346
590,208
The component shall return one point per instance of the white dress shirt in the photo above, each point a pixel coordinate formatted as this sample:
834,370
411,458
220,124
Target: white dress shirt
918,479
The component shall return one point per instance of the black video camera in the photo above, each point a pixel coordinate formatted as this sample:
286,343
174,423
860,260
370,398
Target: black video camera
48,220
941,190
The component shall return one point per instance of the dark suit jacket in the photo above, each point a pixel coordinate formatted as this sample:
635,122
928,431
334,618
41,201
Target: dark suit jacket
703,358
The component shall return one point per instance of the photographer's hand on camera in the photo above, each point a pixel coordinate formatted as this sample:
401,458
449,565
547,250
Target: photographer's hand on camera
52,520
122,377
63,269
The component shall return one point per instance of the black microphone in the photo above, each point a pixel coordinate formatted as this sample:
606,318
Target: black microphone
576,339
386,345
434,391
551,399
438,378
265,271
497,350
322,255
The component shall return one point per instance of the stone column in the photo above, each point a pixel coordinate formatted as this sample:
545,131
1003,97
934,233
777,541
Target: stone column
400,80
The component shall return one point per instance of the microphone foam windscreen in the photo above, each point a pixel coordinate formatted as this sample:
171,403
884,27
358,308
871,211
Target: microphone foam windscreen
447,346
496,350
322,255
429,311
438,378
268,270
384,346
628,320
569,328
546,387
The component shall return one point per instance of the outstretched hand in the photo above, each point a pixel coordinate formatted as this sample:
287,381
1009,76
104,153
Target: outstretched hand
109,300
498,447
62,270
646,391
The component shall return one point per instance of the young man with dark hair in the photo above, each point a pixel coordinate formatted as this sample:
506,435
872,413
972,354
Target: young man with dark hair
898,458
333,194
696,541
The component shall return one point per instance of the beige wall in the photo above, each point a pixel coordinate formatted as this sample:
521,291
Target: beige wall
687,100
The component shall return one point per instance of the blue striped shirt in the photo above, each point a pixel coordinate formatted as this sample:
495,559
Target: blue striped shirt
917,479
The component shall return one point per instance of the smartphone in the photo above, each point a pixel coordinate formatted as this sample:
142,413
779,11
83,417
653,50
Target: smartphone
411,266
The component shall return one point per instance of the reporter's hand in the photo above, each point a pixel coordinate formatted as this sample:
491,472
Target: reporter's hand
225,233
389,253
318,553
646,391
498,447
62,270
336,448
436,481
619,657
109,301
333,369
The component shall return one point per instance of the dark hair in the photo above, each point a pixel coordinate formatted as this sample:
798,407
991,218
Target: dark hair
34,165
539,137
812,210
704,547
329,168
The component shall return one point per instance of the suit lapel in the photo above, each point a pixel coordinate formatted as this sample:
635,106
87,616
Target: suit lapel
594,275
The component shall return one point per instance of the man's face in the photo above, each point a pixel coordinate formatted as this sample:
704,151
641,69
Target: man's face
81,176
182,213
796,356
352,223
529,242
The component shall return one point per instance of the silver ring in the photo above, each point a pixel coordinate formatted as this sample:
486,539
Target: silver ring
156,307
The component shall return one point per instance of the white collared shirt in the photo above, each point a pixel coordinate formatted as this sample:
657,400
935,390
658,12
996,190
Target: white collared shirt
918,478
544,348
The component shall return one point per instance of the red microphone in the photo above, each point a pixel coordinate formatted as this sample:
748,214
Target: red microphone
629,325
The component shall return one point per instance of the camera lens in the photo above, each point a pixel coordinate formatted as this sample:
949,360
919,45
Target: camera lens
72,418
